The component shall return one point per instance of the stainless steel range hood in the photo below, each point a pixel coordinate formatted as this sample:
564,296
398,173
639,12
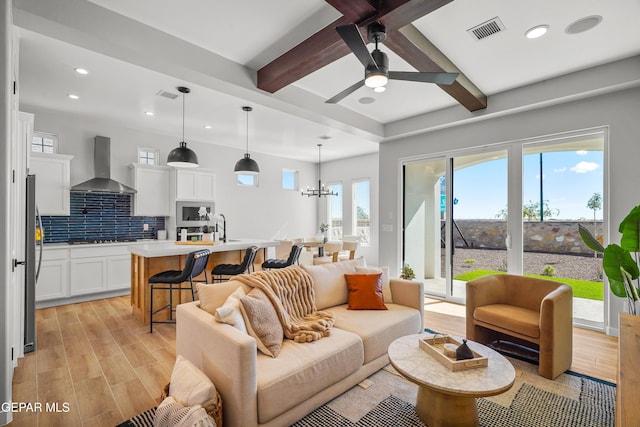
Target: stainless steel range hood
102,183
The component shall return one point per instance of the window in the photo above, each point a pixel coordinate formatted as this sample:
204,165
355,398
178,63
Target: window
289,179
44,142
247,180
334,212
361,214
148,156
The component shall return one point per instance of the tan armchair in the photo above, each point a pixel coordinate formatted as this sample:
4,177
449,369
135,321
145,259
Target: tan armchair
532,312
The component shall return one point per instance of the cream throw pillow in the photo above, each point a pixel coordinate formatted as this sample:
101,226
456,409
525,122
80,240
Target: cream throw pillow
171,413
386,286
262,322
230,312
189,385
329,283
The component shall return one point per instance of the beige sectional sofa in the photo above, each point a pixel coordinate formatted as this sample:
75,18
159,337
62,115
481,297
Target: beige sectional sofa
260,390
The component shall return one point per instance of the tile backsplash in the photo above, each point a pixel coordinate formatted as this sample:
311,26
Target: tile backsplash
100,217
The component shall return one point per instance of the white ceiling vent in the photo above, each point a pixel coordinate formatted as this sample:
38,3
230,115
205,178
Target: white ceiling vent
165,94
486,29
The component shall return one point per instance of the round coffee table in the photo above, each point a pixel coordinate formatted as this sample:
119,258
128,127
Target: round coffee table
447,398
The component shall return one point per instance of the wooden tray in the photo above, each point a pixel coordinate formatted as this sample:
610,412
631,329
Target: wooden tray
198,242
435,347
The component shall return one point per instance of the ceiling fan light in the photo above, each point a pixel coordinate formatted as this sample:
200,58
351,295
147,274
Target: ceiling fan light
182,156
379,89
376,80
247,166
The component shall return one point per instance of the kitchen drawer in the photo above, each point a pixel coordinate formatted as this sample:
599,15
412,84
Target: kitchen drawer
100,251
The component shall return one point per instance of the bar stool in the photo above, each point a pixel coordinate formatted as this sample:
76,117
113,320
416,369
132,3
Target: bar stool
194,266
294,255
235,269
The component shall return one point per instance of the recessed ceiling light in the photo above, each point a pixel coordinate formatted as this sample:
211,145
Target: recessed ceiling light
82,71
73,96
324,137
207,126
537,31
583,24
379,89
367,100
149,113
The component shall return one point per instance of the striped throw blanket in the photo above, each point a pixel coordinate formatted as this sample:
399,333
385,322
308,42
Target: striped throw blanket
290,290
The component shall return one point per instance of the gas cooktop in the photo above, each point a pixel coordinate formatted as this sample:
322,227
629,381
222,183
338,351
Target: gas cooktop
94,241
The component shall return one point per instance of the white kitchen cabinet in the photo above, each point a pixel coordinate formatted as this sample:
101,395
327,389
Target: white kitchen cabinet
53,279
152,184
88,275
53,181
119,272
195,185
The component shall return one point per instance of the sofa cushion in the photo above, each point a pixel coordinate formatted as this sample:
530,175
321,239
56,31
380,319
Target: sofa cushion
213,296
262,322
511,318
303,370
377,329
365,291
386,284
329,283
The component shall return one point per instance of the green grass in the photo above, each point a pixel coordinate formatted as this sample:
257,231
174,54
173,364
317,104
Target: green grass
581,288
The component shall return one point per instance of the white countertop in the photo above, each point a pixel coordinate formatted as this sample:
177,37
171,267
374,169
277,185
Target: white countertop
65,245
153,250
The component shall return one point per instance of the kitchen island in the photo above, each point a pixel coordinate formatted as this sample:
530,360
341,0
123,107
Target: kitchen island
147,260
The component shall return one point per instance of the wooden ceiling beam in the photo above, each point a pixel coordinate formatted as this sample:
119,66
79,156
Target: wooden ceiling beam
412,46
326,46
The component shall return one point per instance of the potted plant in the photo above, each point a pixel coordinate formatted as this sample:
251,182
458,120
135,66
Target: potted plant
407,273
618,264
207,233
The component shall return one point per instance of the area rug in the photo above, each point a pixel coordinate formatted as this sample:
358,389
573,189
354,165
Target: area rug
387,399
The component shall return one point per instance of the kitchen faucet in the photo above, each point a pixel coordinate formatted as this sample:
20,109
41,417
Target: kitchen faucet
224,227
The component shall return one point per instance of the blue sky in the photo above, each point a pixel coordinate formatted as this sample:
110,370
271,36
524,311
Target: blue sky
570,178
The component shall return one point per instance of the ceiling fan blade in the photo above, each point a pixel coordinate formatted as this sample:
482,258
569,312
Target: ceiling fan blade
424,77
345,93
352,37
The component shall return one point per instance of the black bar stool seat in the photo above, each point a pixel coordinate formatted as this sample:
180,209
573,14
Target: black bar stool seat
221,270
294,256
172,280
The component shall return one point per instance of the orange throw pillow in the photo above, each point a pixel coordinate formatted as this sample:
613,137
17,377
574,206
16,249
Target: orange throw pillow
365,291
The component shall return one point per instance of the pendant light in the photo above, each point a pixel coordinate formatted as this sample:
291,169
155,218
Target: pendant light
182,156
321,191
246,165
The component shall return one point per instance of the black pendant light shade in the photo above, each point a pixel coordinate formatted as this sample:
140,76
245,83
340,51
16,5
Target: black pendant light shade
246,165
183,156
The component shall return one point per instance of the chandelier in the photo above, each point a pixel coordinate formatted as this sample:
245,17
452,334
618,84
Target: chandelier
321,191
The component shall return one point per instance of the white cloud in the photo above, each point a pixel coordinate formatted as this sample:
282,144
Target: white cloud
585,167
582,152
560,170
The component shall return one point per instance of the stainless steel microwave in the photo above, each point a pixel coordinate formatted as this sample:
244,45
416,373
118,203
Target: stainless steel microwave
194,214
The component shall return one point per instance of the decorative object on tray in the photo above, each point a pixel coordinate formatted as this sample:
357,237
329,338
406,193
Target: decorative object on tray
435,346
463,352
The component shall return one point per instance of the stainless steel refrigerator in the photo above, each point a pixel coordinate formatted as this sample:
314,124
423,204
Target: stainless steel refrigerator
33,239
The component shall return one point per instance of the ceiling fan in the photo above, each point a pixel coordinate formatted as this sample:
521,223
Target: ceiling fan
376,62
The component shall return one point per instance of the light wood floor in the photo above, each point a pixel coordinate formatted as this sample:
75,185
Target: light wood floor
107,366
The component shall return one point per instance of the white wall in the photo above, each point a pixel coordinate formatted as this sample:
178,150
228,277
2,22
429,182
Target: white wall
266,212
617,110
346,171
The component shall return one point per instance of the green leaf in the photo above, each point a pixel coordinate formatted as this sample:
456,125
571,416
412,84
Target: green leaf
589,240
615,262
630,229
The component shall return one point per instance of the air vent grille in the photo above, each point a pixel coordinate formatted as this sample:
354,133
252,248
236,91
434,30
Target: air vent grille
165,94
486,29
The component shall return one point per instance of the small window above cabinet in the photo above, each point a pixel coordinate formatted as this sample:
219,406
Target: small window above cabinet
195,185
152,184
